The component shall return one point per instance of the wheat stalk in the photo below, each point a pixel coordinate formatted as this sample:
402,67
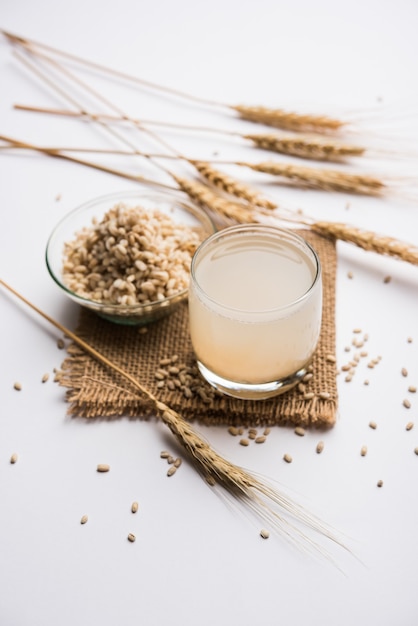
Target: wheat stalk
220,206
278,118
232,186
324,179
302,146
306,147
238,482
368,240
289,120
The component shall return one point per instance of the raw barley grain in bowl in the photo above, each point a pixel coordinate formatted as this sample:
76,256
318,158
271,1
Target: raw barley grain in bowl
127,256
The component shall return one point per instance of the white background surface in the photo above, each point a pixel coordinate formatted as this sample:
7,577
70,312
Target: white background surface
198,560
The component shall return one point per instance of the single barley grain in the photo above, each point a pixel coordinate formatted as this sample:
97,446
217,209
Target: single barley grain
266,431
406,404
387,279
103,467
309,395
264,533
299,431
363,451
17,386
404,371
324,395
373,425
13,458
319,447
287,458
84,519
260,439
412,389
131,537
233,431
366,382
60,344
177,462
171,470
164,454
416,450
380,483
244,442
409,426
44,378
331,358
170,459
134,507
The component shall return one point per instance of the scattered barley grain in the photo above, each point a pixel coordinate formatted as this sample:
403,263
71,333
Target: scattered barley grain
103,467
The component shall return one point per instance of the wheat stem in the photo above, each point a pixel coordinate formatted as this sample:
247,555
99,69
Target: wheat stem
278,118
302,146
97,166
238,482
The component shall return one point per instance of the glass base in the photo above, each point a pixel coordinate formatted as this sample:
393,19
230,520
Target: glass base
255,391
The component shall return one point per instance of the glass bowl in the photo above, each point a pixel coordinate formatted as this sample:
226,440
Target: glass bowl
170,203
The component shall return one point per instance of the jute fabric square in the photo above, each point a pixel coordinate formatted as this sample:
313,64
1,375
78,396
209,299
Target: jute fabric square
93,390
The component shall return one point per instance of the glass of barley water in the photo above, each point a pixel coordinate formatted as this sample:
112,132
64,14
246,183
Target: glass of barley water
255,307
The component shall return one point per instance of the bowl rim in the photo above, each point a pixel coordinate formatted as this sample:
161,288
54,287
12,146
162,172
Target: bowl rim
123,309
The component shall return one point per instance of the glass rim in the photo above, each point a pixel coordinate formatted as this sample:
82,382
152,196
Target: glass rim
274,230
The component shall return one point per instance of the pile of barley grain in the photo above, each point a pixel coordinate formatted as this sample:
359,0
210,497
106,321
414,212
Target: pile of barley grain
132,256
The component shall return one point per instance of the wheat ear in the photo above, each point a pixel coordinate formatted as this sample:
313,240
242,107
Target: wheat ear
306,147
325,179
238,482
368,240
232,186
289,120
214,202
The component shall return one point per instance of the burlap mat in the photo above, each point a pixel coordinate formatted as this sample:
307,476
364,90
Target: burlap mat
162,360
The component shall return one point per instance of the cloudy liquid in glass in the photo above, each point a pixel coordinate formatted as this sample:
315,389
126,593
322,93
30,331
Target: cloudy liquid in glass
254,317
